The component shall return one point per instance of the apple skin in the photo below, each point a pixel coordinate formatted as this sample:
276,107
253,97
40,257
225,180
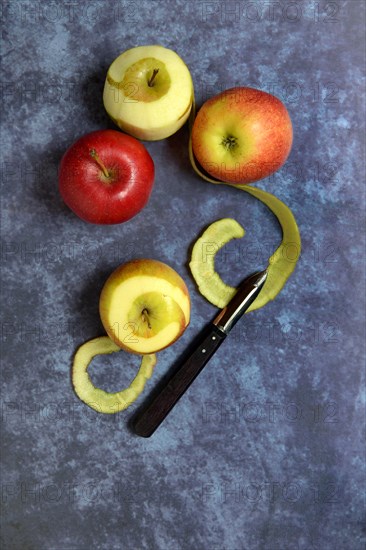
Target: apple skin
92,195
148,112
144,306
242,135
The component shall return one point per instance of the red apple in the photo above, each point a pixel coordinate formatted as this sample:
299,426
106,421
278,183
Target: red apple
242,135
106,177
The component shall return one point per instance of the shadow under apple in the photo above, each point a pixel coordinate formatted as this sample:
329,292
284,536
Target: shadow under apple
178,149
84,310
91,95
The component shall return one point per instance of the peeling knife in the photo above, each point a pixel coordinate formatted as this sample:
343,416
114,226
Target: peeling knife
150,419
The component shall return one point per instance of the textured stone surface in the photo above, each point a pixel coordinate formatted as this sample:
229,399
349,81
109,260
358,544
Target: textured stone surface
264,451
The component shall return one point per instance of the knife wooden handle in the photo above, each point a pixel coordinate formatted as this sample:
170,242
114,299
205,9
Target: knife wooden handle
147,422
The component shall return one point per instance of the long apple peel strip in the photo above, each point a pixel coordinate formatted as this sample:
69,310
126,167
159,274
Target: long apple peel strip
282,263
98,399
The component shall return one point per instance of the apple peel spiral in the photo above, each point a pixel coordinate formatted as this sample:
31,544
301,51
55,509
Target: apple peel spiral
100,400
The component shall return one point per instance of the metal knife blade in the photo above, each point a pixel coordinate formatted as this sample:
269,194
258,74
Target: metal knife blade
212,337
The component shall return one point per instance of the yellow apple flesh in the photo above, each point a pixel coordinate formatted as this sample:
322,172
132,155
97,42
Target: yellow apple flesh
148,92
144,306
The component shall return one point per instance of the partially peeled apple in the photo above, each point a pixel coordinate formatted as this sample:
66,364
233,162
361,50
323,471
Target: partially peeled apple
144,306
148,92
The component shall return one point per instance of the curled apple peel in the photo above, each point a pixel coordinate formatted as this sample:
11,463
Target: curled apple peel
202,264
100,400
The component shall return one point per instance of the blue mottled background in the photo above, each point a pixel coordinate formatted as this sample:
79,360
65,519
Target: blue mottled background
265,451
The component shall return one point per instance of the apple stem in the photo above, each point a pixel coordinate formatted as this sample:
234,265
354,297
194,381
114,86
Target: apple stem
230,142
93,154
145,317
150,82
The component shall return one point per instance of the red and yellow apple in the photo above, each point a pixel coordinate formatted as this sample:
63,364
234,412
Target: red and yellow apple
148,92
242,135
144,306
106,177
